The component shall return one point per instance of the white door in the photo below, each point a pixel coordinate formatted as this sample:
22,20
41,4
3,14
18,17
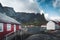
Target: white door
14,28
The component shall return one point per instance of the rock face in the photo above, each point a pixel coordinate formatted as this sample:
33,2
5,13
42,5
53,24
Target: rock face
1,9
9,11
23,17
31,18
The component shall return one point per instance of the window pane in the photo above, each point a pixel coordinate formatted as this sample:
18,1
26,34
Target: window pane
19,26
1,27
14,28
8,27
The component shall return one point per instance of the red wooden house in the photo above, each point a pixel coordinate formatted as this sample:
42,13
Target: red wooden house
8,25
59,23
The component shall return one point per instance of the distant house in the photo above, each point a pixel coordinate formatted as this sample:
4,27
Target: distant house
43,27
51,25
8,25
59,23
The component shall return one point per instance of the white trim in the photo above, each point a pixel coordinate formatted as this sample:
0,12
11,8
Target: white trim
8,27
14,28
1,25
19,26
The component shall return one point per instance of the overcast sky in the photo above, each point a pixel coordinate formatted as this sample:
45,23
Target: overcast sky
22,5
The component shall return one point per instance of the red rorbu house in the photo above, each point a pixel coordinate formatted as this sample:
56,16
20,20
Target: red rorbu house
8,25
59,23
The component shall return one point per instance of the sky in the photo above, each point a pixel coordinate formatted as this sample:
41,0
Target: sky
21,5
51,8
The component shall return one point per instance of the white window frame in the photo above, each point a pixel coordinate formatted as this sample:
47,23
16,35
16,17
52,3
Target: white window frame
14,28
19,26
1,25
8,27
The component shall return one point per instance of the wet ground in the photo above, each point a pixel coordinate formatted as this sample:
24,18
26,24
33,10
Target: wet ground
36,34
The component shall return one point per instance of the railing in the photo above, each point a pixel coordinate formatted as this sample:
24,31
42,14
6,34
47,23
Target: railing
9,36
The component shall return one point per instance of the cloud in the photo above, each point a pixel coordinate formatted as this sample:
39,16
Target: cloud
22,5
56,3
55,18
46,16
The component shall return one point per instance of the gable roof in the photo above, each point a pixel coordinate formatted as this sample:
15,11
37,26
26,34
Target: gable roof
6,19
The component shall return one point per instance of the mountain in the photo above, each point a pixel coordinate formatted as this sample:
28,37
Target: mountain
1,8
31,18
23,17
9,11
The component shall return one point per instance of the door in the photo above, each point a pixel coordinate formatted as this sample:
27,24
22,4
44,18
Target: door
14,28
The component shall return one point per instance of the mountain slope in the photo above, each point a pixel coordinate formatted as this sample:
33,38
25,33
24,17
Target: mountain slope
23,17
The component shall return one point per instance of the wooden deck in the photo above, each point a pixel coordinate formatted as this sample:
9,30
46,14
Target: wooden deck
11,35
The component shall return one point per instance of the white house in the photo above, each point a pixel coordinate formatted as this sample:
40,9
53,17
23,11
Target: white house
43,27
51,25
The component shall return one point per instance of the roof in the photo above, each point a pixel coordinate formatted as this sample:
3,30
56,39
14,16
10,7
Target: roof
6,19
53,21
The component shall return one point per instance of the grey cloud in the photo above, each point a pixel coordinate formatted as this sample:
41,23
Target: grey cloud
22,5
56,4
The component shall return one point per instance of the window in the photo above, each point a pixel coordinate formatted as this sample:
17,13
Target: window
1,27
19,26
8,27
14,28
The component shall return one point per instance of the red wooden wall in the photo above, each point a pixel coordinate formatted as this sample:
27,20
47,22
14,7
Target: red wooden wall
17,27
2,34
